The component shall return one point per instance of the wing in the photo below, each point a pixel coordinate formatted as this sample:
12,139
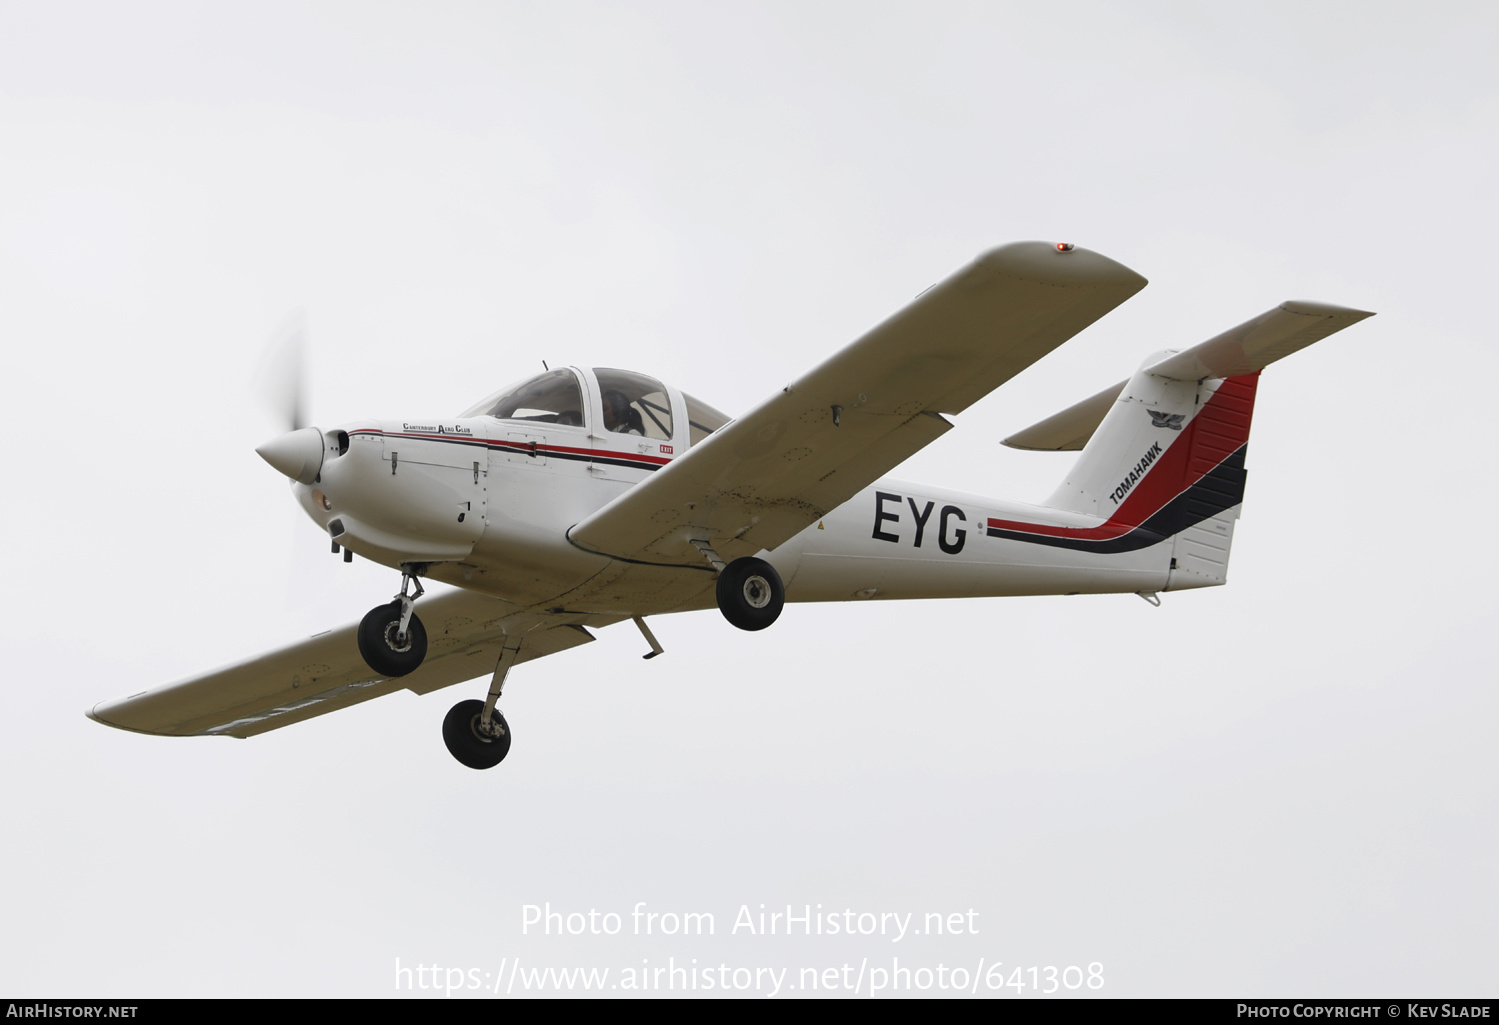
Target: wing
807,450
465,632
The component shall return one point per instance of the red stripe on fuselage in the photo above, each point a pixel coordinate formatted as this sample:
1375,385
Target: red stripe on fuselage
519,446
1215,433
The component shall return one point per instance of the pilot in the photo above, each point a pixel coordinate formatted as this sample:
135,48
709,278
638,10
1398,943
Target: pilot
618,416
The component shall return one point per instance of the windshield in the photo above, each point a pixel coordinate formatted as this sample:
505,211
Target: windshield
552,398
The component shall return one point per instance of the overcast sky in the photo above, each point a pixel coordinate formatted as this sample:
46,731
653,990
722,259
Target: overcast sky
1282,787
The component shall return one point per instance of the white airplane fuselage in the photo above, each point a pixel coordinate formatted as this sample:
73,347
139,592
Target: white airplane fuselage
485,504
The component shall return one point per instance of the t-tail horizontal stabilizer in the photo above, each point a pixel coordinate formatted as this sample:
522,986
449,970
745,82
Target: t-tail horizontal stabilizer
1251,346
1163,453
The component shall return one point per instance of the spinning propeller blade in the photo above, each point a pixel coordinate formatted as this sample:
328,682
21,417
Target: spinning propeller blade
282,377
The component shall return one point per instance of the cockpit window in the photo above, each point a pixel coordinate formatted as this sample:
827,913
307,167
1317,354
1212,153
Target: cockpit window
552,398
635,404
702,418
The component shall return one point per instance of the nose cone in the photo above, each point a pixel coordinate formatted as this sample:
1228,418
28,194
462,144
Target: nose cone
299,454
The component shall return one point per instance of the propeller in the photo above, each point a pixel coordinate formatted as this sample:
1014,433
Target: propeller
282,384
282,379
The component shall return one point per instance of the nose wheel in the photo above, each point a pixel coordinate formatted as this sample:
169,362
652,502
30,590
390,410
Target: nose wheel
391,637
386,649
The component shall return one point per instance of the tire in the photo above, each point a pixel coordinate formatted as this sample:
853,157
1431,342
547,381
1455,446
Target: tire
377,641
460,731
750,594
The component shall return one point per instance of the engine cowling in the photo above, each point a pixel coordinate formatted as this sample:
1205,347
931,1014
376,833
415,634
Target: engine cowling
392,491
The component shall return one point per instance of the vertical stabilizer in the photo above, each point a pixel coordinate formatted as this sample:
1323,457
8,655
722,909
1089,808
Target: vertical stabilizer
1163,454
1168,462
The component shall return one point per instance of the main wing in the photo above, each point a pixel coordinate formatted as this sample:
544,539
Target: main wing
807,450
465,632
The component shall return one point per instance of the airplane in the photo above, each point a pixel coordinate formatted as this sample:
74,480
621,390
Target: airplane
584,497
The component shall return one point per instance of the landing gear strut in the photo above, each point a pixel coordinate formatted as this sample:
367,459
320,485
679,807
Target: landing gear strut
475,731
391,637
750,593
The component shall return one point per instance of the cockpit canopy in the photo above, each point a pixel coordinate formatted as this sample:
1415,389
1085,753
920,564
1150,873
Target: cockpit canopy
627,403
552,398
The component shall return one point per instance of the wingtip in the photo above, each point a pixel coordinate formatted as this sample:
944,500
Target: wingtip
1062,263
1345,313
93,713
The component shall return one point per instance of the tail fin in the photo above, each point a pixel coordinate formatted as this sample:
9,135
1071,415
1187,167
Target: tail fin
1163,453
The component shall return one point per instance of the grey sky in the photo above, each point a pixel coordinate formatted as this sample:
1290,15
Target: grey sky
1281,787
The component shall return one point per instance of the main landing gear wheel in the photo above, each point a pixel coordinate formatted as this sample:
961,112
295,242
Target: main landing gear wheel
383,647
469,741
750,594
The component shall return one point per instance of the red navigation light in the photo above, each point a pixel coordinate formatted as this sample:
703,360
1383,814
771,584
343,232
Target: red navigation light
1064,247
